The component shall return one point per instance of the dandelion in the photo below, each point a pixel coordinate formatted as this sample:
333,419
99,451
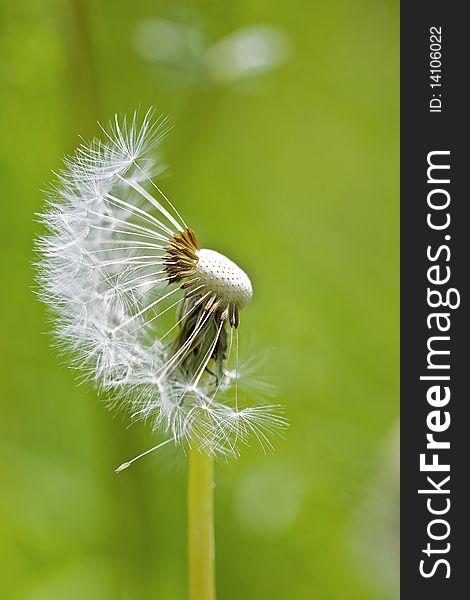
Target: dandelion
149,316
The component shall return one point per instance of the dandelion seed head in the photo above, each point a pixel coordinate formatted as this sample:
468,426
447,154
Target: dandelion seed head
117,265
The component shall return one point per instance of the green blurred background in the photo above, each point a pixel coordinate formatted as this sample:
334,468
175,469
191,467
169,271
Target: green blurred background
284,155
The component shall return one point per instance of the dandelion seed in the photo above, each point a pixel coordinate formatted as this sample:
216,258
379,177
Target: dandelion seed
117,257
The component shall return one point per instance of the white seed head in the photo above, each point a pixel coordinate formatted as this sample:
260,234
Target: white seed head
222,276
116,258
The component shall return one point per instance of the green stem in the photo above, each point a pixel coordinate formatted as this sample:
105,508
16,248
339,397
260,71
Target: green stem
82,80
201,526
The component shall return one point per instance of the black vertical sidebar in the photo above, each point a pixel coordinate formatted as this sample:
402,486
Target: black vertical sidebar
435,523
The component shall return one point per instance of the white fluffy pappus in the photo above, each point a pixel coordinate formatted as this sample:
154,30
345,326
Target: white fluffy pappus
139,307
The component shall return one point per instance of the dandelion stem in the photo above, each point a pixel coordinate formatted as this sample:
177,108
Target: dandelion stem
83,84
201,526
